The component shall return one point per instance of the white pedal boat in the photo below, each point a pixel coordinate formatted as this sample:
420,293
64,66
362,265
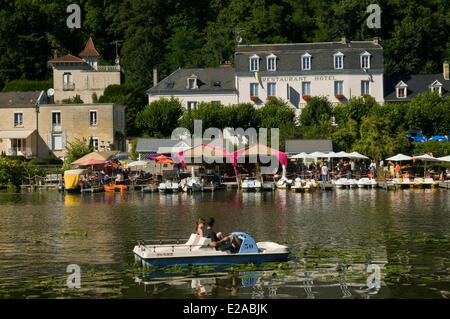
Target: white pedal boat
198,251
342,182
169,187
303,185
251,185
367,183
284,182
192,184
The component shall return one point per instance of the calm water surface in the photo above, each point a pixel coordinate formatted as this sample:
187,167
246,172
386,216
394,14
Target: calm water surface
334,237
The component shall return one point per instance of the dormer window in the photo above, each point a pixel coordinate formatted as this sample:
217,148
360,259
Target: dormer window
272,63
192,82
365,60
306,61
402,90
254,63
436,86
338,60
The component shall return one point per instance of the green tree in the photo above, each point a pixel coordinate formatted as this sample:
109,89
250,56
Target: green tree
160,118
429,113
318,109
11,171
379,139
345,136
77,149
133,98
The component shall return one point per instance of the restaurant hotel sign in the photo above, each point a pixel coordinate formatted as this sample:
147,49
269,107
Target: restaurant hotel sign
296,78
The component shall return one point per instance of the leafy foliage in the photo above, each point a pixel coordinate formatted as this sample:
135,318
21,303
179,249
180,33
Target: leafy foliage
129,95
168,34
160,118
27,85
73,100
77,149
11,171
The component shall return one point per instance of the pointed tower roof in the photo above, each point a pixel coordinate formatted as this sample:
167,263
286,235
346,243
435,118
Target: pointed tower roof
89,50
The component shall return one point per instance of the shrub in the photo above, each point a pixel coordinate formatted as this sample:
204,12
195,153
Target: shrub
28,85
73,100
438,149
11,171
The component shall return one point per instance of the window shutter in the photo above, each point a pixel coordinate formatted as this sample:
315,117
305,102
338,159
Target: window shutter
49,141
63,141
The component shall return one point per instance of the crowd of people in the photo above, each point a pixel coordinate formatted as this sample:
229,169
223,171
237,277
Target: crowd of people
116,176
325,171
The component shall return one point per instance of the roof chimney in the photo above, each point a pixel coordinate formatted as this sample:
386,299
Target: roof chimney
376,40
55,54
225,64
343,39
446,71
155,76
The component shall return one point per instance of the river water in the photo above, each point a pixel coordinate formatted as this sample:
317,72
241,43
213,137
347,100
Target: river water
344,243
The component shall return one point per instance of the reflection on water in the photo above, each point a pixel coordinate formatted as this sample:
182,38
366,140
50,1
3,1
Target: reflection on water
334,237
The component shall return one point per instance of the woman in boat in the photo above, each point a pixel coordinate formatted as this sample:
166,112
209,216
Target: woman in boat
199,226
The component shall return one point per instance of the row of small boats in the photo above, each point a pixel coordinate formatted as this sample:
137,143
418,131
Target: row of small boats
417,182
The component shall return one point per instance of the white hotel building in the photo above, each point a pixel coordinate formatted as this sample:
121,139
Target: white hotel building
295,73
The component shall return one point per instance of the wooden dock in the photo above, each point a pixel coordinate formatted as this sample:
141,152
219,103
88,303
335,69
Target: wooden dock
39,187
326,186
97,189
213,188
387,185
445,185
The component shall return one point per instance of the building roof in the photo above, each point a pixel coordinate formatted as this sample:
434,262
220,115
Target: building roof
101,156
289,57
89,50
17,99
151,145
417,84
308,146
208,80
67,58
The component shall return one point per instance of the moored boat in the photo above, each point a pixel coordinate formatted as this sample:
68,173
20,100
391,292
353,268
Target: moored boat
115,188
251,185
341,183
169,187
72,180
284,182
192,184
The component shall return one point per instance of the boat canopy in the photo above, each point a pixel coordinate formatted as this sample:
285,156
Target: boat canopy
259,149
72,177
205,151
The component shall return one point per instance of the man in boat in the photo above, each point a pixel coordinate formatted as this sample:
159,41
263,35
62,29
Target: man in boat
219,241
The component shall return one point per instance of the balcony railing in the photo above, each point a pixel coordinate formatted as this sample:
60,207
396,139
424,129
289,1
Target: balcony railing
69,86
20,151
56,128
108,68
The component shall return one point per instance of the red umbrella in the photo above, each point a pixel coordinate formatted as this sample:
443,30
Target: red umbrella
91,162
165,161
